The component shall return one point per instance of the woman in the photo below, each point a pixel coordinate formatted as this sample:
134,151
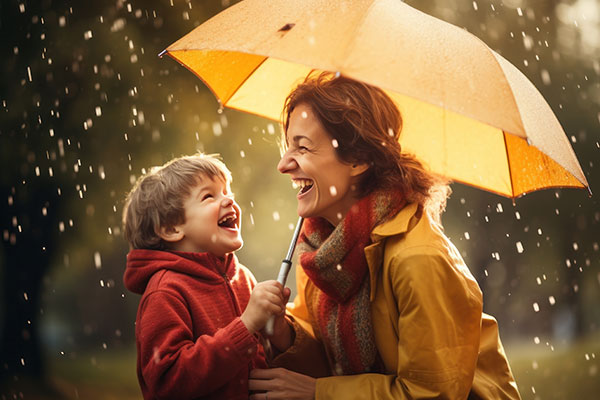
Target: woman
386,306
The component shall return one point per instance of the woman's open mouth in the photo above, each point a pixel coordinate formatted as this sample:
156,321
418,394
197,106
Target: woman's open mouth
304,184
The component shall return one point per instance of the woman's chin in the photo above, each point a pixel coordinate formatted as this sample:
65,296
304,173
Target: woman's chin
304,213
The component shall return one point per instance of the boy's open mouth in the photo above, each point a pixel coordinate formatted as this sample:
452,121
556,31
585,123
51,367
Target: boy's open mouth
228,221
304,184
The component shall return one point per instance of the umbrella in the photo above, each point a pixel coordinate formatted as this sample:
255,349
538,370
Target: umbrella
468,113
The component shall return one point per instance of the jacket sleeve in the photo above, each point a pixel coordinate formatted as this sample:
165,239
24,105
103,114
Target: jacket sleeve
307,354
438,313
173,365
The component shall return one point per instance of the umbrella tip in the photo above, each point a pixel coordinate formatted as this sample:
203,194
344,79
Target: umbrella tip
162,53
589,191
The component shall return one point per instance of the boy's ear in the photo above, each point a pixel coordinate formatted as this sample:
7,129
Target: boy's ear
358,169
171,233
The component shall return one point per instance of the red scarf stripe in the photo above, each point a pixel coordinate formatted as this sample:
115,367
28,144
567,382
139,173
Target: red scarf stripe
334,260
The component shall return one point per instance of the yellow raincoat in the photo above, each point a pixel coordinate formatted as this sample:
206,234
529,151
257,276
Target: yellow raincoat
429,328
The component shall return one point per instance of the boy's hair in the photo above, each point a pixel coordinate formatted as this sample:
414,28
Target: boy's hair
157,197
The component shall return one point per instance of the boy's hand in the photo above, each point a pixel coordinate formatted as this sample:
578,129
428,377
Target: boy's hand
266,299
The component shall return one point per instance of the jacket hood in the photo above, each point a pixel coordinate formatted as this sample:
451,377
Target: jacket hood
142,264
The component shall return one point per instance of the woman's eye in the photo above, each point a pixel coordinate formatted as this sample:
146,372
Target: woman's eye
302,148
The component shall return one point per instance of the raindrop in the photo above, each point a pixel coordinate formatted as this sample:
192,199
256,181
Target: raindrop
467,236
536,340
97,260
338,267
271,129
575,246
333,191
545,77
527,42
475,6
536,307
551,300
335,144
276,216
519,247
87,35
217,129
304,114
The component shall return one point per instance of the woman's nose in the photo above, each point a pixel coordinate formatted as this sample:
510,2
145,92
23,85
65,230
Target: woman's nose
287,164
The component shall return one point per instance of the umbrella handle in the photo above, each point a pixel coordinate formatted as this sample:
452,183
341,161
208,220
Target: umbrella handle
284,270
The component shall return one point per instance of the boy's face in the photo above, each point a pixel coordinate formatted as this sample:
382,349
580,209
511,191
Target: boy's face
212,220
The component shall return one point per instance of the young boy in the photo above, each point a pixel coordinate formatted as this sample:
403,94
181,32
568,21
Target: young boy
200,311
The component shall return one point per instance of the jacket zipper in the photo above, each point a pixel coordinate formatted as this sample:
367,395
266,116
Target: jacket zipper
231,294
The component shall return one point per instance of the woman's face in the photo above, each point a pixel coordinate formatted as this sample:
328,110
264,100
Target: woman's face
326,184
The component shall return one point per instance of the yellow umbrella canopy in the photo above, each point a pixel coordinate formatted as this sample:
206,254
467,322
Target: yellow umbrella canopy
468,113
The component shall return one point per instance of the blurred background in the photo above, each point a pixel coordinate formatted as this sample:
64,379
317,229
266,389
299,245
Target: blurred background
86,106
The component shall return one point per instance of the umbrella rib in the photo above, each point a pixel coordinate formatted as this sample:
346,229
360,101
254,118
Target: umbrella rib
510,174
352,38
245,79
512,93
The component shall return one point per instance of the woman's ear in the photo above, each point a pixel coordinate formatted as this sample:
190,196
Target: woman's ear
171,233
358,169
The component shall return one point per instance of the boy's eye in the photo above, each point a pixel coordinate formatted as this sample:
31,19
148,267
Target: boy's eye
206,196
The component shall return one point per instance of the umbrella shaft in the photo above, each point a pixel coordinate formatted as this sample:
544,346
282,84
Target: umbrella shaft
284,270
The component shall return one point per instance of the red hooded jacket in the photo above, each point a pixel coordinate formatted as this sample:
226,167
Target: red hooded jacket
191,342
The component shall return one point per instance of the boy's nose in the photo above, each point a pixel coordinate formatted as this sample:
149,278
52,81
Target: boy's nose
287,164
227,202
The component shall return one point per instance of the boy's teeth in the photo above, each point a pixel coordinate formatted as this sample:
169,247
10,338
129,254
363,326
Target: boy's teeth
226,218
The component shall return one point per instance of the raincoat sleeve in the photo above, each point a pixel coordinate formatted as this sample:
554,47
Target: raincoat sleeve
307,354
173,365
431,343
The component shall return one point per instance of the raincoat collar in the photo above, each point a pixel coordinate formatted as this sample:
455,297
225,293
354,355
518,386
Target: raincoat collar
403,222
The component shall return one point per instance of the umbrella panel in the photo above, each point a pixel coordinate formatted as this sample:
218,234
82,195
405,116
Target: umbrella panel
443,140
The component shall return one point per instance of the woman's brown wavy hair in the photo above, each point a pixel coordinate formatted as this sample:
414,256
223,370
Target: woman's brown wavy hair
366,124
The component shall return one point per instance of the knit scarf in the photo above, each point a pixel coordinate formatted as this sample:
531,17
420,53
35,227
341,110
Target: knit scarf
334,260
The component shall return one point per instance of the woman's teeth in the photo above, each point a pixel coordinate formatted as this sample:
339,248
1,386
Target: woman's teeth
303,184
